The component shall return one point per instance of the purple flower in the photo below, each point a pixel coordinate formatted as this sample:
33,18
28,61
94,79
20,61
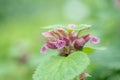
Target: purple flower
79,43
44,49
87,37
67,41
51,44
60,44
72,36
94,40
71,26
47,34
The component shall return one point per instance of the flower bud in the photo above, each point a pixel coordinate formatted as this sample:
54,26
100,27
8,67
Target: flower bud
87,37
84,75
66,41
47,34
51,45
71,26
62,31
79,43
72,36
44,49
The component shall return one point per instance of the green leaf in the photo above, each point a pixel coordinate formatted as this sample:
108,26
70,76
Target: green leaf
62,68
90,50
78,27
82,27
54,26
114,77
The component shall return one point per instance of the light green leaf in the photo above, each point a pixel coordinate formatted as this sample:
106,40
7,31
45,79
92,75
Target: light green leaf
78,27
90,50
53,26
62,68
82,27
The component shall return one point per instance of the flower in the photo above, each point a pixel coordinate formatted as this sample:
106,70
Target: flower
60,44
79,43
67,41
71,26
51,44
44,49
94,40
84,75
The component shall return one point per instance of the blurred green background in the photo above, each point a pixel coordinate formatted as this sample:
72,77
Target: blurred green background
21,23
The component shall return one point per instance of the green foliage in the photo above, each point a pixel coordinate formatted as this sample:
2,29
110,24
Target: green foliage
109,58
22,21
88,50
105,74
82,27
114,77
61,68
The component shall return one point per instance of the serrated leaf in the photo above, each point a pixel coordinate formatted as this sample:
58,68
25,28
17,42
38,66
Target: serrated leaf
82,27
78,27
62,68
54,27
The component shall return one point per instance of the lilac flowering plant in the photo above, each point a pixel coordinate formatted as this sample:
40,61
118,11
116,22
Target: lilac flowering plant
70,60
67,41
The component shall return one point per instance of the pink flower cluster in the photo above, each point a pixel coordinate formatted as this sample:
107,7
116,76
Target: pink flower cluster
66,41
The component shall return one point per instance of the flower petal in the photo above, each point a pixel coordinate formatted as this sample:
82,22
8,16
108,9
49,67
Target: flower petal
87,37
47,34
71,26
72,36
84,75
66,41
51,44
94,40
62,31
60,44
79,43
44,49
